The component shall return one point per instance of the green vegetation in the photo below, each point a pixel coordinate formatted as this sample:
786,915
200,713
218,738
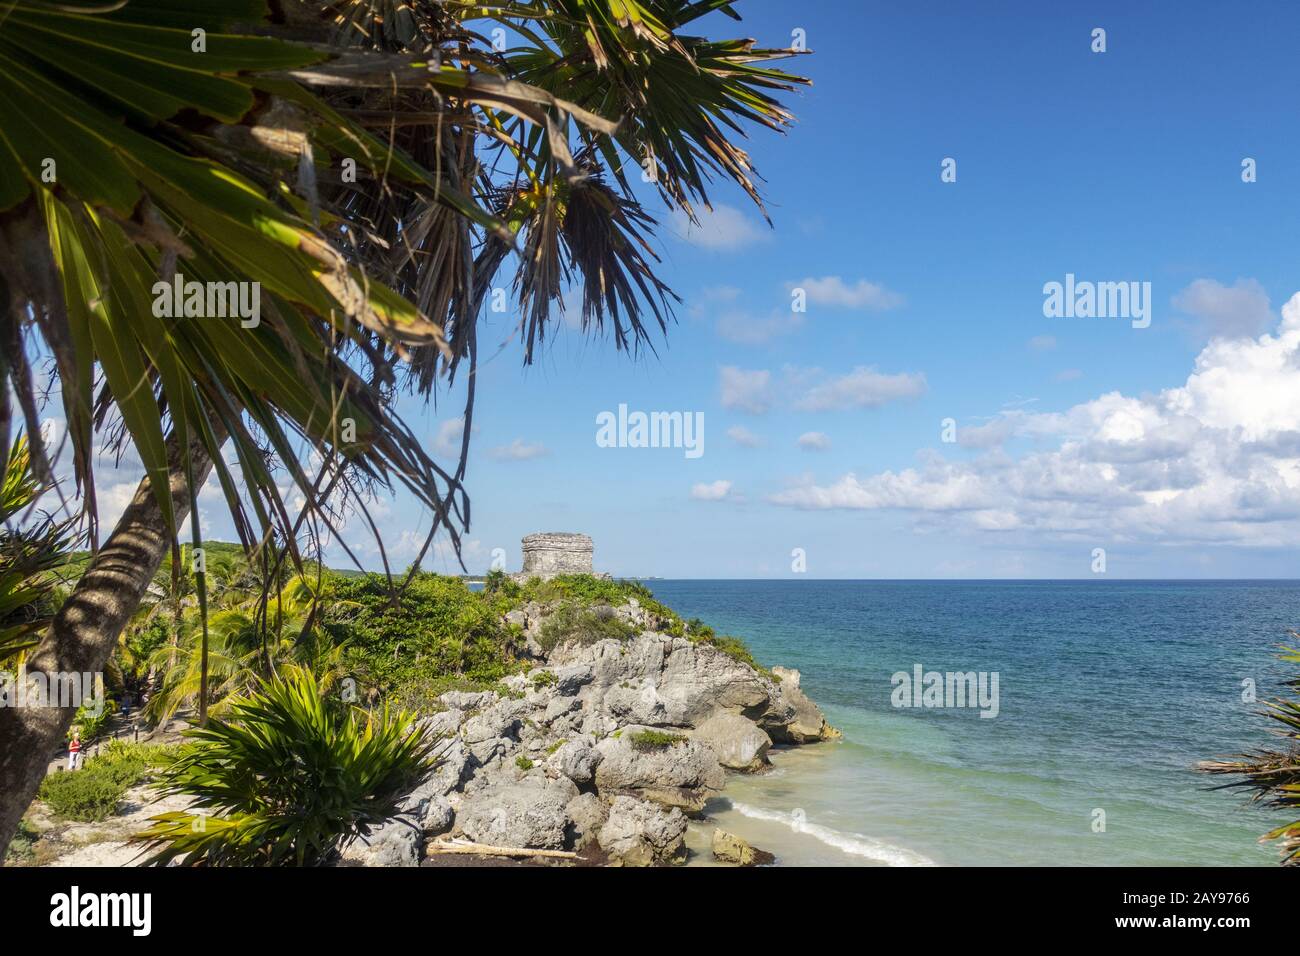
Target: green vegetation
291,777
437,631
92,720
523,763
93,792
698,632
646,740
22,849
1273,774
33,559
571,621
181,140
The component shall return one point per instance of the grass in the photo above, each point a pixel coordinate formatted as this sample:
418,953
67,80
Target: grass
523,763
647,740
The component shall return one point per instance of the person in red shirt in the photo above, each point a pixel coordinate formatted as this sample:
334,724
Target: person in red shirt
74,750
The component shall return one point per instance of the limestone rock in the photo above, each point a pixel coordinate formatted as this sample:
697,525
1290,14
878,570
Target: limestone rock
639,833
738,742
732,849
587,814
569,680
397,843
801,721
529,813
683,774
577,760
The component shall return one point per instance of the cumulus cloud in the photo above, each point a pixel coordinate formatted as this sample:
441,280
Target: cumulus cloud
743,437
814,441
746,390
864,387
711,491
447,440
833,291
1214,460
1236,311
724,229
518,450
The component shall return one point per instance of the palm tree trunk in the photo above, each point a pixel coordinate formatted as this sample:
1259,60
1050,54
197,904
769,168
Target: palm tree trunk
85,631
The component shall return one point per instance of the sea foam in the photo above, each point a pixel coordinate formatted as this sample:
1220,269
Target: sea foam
854,844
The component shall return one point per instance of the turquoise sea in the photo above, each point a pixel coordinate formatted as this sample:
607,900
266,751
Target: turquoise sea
1109,692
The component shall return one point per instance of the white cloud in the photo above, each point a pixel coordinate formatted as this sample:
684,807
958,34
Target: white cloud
814,441
863,387
1216,459
447,441
725,228
1069,374
747,390
518,450
834,291
1043,343
711,491
743,437
1236,311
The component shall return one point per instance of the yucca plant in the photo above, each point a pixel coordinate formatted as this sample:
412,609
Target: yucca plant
1273,774
286,778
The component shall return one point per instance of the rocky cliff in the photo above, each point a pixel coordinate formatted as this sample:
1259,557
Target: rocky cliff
605,747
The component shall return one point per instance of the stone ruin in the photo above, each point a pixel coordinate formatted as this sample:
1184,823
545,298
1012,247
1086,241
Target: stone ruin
550,553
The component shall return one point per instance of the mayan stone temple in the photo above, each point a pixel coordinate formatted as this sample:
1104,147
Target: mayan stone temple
550,553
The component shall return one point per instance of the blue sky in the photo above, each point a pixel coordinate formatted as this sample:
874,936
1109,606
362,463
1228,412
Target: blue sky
925,302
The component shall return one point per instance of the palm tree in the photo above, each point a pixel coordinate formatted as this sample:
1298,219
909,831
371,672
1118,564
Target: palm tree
375,167
30,558
246,647
1273,774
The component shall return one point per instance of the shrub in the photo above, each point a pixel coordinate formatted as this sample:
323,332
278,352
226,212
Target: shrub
438,628
523,763
92,793
91,722
22,848
586,625
655,740
291,775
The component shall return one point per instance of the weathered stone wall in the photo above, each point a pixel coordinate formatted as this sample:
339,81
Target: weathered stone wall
557,553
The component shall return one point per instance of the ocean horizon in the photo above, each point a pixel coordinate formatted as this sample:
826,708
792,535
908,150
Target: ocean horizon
1109,693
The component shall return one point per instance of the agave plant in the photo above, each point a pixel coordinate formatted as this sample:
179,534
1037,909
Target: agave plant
287,778
375,167
1273,774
